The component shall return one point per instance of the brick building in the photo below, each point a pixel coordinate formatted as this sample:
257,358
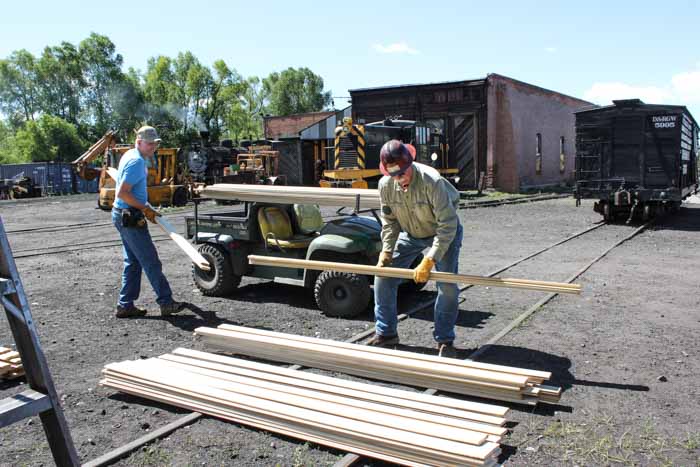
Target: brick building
517,135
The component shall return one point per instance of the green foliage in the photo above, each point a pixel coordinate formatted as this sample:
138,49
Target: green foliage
296,91
52,105
47,139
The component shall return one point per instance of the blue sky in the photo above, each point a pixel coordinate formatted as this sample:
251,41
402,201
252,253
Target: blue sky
598,50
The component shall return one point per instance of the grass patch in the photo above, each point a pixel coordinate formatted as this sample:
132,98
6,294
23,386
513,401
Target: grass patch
601,442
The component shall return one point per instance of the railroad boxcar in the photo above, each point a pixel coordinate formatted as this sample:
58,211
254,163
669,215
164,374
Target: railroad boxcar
636,159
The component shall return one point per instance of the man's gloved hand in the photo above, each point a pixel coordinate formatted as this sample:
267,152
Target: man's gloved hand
422,271
384,259
151,213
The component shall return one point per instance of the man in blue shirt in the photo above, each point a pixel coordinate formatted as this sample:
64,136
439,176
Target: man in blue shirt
129,214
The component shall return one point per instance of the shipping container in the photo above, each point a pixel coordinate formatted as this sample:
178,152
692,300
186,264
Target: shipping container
53,178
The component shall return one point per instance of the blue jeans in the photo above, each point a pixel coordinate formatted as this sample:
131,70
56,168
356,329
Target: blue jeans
140,255
385,288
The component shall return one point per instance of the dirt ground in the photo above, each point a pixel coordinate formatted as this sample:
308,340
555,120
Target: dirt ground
625,352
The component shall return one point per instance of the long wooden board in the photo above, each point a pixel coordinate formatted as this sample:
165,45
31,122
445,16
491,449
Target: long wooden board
400,273
411,398
199,260
532,375
185,383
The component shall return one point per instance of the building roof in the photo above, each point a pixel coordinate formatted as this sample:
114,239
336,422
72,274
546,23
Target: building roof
289,126
475,82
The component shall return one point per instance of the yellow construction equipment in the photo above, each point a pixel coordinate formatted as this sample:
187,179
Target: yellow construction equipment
165,176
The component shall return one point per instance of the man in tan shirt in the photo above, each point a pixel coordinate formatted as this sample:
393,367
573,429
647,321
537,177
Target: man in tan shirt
418,211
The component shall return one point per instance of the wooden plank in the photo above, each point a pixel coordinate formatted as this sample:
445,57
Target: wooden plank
308,434
254,397
558,287
183,383
385,361
170,231
317,392
411,398
530,374
207,405
408,377
471,420
199,260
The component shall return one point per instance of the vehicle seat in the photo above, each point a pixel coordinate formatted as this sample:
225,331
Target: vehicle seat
308,218
276,229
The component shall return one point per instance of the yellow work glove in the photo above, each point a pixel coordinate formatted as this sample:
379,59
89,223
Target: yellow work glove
384,259
151,213
422,271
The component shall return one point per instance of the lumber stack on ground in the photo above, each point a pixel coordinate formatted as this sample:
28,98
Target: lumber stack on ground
10,364
368,198
389,424
544,286
466,377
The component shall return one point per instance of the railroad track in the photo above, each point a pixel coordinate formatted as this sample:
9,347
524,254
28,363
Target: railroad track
350,459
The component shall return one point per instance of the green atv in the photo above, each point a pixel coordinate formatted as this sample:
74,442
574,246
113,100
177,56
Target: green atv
289,231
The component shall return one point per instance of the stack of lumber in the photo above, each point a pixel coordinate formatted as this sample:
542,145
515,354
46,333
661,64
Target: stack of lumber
10,364
401,273
281,194
397,426
467,377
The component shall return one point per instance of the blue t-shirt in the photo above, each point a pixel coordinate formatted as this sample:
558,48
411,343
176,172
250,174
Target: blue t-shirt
132,170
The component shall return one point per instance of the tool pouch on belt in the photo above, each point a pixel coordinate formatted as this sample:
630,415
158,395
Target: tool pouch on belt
134,218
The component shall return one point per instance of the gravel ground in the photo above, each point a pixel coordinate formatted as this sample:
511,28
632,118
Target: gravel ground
636,321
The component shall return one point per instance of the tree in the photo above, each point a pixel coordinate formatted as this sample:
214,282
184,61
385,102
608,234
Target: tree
244,117
49,138
222,93
18,87
103,75
8,154
61,82
295,91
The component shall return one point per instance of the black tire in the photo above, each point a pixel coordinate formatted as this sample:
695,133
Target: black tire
342,294
409,286
180,196
221,280
104,208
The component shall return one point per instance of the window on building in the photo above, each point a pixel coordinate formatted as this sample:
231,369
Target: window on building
562,155
538,154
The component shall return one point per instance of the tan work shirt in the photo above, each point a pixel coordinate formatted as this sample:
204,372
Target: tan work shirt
427,209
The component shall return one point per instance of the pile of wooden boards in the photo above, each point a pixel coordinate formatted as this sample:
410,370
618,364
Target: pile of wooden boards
402,273
10,364
368,198
467,377
398,426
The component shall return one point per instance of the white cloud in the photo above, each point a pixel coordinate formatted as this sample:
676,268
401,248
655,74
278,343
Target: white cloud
395,48
551,50
681,89
686,86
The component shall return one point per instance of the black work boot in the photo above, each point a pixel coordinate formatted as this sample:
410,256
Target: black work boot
129,312
171,308
383,341
447,350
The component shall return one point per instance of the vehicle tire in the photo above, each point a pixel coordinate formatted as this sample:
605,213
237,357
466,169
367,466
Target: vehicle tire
180,196
608,216
221,280
342,294
409,285
107,208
